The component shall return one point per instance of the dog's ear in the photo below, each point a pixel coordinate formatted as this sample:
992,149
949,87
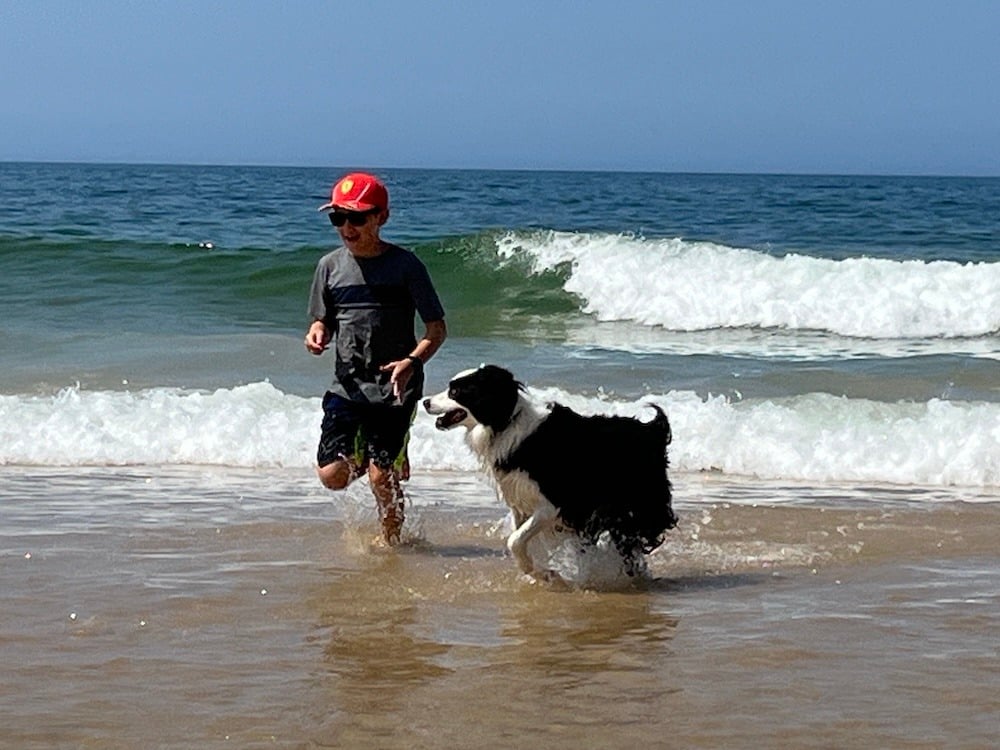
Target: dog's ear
496,376
501,378
496,410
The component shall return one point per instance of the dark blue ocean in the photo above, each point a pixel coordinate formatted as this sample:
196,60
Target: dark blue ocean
817,328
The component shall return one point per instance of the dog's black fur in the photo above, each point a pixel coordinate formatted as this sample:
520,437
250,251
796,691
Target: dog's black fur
625,491
601,473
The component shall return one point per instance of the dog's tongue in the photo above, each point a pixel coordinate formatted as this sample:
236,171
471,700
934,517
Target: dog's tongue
450,419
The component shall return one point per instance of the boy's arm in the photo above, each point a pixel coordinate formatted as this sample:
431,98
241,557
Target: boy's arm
435,332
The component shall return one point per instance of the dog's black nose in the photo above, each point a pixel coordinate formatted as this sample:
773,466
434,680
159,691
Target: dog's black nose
427,403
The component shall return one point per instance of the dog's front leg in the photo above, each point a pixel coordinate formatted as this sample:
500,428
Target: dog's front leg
517,542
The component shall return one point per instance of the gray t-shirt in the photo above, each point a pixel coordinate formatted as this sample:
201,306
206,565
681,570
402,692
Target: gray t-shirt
368,305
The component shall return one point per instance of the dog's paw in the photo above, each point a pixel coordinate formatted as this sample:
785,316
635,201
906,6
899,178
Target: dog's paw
548,577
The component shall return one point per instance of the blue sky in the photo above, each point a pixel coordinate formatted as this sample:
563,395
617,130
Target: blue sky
907,87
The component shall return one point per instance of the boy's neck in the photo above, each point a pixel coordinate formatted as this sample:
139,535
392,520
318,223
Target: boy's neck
367,250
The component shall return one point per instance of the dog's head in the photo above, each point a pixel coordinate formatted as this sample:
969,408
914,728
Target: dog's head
487,396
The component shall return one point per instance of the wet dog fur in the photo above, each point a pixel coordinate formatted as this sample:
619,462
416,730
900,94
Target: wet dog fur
590,474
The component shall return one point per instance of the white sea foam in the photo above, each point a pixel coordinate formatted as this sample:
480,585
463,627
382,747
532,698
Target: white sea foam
815,437
696,286
252,425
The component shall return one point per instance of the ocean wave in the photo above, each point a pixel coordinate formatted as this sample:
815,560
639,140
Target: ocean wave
680,285
589,288
814,437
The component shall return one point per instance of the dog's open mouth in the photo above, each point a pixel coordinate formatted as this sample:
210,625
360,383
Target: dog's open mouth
451,418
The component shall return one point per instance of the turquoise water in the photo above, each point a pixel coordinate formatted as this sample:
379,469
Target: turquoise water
791,310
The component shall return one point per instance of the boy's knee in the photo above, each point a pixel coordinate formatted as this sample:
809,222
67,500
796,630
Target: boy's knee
335,476
382,476
385,484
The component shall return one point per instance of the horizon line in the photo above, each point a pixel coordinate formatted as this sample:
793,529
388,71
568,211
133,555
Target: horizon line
609,170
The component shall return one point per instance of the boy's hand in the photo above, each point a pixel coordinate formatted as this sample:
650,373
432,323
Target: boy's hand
317,338
402,371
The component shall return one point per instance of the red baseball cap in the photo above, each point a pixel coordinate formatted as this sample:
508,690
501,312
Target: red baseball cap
357,191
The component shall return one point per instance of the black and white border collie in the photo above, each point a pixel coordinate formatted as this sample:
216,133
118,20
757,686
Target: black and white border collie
553,467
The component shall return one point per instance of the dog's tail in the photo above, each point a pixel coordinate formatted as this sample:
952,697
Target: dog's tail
660,422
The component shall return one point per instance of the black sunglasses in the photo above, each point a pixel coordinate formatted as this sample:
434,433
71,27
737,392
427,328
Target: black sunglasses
355,218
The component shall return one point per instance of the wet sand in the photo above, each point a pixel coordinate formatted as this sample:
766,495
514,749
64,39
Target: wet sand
190,608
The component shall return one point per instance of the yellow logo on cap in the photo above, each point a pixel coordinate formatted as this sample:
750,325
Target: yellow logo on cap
346,185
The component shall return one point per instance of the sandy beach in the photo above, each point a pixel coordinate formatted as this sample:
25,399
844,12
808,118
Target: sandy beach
188,607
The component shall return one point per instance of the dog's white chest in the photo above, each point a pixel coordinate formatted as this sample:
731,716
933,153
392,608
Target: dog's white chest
519,491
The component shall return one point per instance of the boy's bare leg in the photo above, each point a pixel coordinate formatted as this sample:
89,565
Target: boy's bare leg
389,496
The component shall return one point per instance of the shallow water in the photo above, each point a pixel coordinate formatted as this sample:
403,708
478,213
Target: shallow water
190,608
